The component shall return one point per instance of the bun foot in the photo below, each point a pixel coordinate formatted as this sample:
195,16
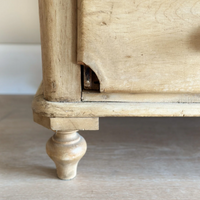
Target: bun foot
66,148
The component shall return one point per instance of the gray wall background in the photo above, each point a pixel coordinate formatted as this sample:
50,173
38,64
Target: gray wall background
20,54
19,22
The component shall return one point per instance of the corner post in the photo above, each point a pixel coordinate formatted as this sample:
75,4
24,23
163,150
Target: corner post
61,73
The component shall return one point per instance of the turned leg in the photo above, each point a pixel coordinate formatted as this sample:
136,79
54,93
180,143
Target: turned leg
66,148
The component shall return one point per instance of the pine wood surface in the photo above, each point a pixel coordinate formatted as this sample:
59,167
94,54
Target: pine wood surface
67,123
187,108
91,96
113,109
141,46
128,158
61,74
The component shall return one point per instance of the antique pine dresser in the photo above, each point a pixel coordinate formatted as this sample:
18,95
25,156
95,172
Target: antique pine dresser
111,58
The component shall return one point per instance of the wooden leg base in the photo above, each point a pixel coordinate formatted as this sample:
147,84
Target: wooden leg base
66,148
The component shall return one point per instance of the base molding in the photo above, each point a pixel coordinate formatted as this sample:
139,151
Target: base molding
113,109
67,123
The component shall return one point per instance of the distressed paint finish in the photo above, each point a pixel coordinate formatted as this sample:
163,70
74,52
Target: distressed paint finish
141,46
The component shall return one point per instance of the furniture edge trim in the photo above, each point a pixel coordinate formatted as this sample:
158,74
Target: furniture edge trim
112,109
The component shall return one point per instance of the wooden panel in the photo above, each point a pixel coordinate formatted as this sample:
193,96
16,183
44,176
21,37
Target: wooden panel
63,124
141,46
61,74
143,98
74,123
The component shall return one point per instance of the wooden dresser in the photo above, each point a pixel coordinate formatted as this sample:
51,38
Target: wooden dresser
104,58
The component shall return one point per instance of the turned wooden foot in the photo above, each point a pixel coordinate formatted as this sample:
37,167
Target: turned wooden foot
66,148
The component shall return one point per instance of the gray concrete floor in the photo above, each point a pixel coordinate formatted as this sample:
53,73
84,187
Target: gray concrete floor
129,158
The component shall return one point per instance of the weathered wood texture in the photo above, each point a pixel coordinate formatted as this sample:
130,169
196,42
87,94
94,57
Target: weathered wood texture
141,46
113,109
67,123
61,74
66,148
90,96
74,124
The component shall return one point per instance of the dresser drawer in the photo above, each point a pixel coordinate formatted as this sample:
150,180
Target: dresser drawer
136,46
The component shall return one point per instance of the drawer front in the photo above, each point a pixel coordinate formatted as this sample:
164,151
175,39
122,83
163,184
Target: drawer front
138,46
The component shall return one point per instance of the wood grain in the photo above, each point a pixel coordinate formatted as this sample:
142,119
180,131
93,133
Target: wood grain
74,123
67,124
66,148
91,96
113,109
141,46
61,74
